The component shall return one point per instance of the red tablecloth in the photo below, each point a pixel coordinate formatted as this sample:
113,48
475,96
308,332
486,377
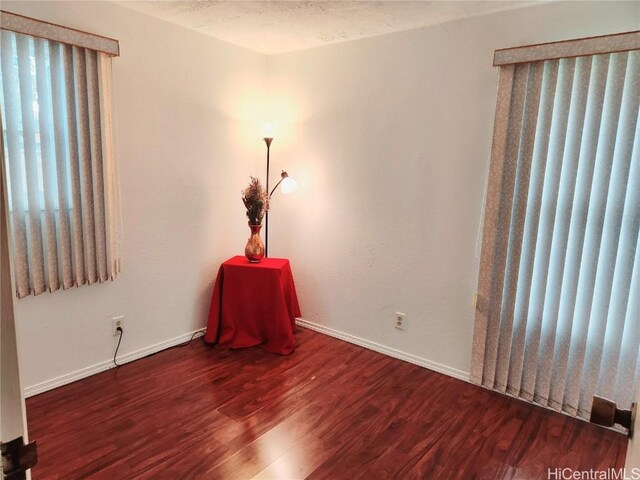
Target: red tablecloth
254,304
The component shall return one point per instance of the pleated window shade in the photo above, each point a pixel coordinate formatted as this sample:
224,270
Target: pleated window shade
59,161
558,311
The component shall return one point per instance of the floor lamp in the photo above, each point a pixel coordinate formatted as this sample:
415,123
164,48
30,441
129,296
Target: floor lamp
287,185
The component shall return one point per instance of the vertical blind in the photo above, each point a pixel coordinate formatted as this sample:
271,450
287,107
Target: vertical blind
558,314
61,174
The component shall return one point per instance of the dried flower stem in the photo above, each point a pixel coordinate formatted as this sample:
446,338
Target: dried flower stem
256,202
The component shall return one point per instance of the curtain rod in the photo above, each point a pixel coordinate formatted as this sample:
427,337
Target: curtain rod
51,31
617,42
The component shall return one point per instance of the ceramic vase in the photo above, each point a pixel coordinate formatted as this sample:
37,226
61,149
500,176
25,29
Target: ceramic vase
254,250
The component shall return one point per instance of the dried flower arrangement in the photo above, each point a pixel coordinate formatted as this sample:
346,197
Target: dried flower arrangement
256,201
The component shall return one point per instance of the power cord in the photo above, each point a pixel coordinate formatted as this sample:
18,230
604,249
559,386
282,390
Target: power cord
187,342
119,329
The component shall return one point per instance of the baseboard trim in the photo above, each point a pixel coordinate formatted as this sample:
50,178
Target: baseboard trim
106,365
143,352
391,352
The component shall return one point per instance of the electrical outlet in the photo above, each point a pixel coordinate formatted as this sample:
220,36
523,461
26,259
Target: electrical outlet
117,322
400,321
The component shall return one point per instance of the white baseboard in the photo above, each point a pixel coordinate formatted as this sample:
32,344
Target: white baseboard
391,352
143,352
106,365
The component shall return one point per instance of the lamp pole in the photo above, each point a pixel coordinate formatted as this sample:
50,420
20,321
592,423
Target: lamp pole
268,141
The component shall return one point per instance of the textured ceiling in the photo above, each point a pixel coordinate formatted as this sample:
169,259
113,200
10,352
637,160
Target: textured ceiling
280,26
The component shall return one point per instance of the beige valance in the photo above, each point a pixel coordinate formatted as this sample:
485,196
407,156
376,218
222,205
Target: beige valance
619,42
50,31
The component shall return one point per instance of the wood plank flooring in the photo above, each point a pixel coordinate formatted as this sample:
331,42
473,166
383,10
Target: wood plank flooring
331,411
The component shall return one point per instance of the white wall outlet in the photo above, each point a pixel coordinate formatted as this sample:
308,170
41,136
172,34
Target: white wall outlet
117,322
400,321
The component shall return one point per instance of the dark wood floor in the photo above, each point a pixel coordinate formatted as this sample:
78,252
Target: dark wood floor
330,411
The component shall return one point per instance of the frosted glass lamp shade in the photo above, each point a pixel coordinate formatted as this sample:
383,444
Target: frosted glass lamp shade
288,185
268,129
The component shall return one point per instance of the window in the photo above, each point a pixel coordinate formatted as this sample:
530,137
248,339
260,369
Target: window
57,156
558,316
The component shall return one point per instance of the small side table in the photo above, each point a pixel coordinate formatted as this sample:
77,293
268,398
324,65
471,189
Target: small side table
254,304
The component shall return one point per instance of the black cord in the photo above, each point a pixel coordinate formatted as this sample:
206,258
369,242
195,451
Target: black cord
119,329
179,345
187,342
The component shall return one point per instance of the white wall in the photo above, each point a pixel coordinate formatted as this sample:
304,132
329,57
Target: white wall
388,137
390,140
186,145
